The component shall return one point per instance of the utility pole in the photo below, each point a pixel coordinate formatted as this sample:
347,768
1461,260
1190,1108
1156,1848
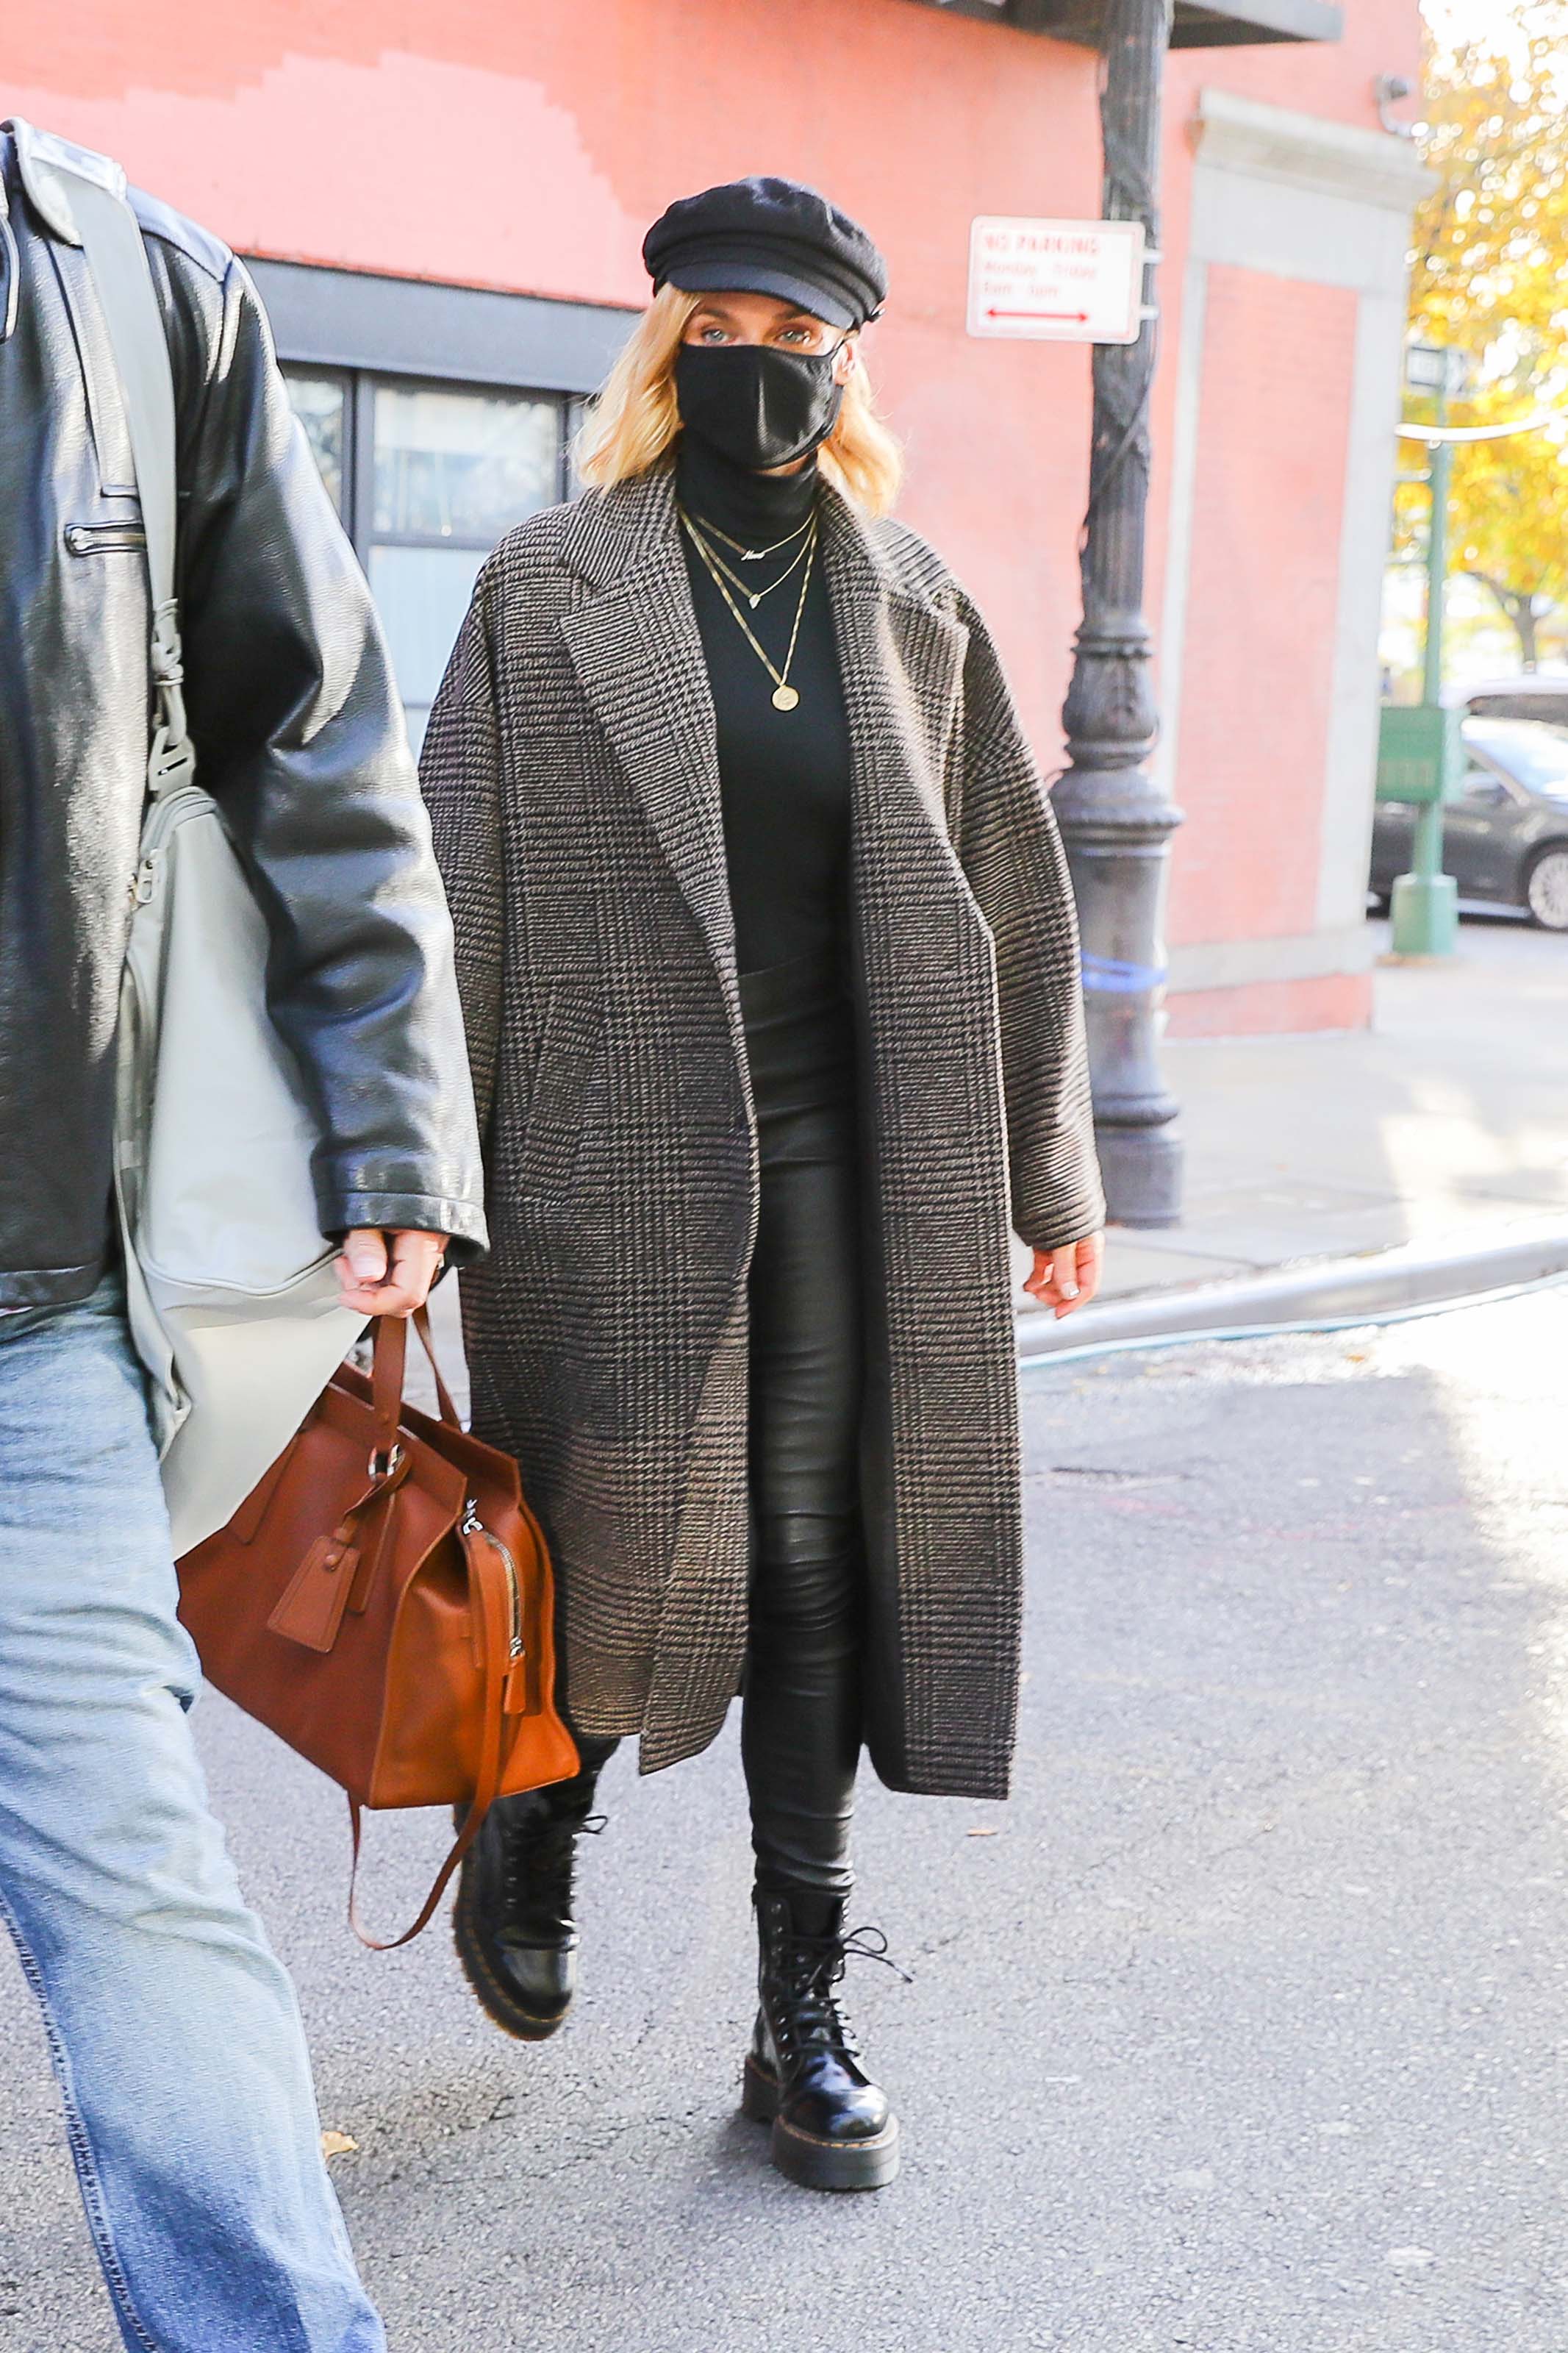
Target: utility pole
1424,902
1115,824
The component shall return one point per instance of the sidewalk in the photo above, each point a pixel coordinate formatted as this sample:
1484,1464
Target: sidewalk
1448,1120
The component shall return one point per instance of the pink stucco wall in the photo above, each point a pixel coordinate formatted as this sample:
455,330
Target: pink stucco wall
1265,590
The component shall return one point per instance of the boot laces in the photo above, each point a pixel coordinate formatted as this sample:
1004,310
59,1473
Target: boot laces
815,1968
537,1857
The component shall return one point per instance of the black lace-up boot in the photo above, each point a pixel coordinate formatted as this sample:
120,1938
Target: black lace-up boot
832,2127
512,1922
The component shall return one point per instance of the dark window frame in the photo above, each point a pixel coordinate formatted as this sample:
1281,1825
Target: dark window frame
360,331
360,328
362,320
343,377
364,385
359,387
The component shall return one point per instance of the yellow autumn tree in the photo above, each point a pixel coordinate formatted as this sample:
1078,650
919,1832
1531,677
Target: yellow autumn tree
1489,277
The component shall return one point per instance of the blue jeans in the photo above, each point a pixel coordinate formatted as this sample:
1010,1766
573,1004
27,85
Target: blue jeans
175,2031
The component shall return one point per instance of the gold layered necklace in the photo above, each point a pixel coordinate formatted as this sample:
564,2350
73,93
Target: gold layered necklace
709,531
784,696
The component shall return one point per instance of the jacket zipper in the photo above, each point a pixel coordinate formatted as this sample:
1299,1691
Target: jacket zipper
104,538
474,1526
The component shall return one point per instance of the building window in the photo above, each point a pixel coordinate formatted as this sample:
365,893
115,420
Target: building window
427,477
320,404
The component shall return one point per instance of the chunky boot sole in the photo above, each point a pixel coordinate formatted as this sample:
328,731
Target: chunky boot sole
806,2157
498,2002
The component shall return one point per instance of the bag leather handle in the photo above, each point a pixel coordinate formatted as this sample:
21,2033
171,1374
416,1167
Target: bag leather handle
490,1600
444,1395
389,1370
388,1364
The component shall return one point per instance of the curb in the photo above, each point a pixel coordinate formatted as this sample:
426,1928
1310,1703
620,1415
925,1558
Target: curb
1379,1286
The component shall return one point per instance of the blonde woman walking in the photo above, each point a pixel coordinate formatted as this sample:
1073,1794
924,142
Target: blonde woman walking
770,968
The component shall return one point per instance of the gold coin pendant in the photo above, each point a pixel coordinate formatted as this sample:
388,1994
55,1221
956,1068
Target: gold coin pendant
784,698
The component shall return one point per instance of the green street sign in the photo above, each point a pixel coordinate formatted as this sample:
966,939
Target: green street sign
1420,753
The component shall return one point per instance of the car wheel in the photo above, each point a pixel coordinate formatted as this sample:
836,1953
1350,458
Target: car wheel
1546,888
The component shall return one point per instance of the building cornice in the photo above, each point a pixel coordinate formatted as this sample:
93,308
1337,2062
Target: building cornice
1308,151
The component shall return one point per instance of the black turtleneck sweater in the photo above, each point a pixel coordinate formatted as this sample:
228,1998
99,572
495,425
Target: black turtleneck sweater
784,774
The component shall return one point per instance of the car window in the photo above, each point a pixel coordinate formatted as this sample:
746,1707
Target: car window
1549,703
1526,749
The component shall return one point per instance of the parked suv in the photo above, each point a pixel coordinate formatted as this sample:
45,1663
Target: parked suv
1505,836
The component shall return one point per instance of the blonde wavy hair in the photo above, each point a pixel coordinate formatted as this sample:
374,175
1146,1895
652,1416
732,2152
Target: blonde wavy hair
633,418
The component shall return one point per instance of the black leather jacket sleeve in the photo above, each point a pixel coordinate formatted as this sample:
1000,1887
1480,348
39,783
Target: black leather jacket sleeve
300,738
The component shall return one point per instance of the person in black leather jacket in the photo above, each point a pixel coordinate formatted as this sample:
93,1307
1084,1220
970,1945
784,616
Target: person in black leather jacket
181,2056
295,719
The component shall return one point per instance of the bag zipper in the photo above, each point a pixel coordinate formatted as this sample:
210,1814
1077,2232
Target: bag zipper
104,538
474,1526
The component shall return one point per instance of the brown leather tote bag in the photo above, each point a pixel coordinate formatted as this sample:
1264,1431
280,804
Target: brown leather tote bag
382,1601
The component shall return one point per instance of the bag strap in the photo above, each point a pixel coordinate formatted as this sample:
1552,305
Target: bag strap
388,1364
389,1369
117,259
491,1602
10,269
444,1395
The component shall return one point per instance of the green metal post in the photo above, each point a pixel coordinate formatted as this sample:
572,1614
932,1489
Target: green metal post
1424,902
1439,473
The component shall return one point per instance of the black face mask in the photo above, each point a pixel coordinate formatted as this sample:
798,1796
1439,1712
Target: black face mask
756,406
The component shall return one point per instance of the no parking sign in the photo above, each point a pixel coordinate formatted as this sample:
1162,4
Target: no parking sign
1057,280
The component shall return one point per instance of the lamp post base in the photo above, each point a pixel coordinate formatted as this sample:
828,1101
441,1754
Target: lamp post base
1425,909
1141,1167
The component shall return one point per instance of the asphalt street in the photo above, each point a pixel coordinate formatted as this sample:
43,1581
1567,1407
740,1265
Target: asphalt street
1239,2030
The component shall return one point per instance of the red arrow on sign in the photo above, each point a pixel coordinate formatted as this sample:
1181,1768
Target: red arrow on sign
1074,318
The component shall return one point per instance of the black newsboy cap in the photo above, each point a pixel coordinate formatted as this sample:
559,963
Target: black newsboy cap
769,236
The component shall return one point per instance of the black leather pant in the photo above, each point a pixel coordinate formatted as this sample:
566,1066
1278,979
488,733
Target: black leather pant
800,1728
800,1733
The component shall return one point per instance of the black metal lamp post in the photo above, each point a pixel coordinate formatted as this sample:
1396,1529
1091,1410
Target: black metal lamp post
1116,825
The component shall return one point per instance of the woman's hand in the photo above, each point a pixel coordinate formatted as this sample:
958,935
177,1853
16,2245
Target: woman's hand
1068,1278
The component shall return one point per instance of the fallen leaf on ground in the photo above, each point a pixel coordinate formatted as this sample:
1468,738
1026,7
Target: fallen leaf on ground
336,2144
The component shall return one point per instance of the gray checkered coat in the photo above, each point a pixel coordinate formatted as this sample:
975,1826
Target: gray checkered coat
572,779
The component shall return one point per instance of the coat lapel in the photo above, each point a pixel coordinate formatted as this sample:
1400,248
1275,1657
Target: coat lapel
638,659
902,664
